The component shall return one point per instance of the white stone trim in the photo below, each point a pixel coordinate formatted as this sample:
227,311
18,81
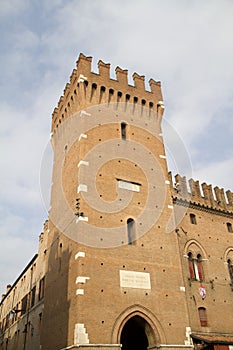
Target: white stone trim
81,279
161,104
80,334
79,255
82,218
79,291
82,136
84,113
82,188
82,162
81,78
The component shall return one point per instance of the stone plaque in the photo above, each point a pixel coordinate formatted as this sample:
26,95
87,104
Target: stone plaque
134,279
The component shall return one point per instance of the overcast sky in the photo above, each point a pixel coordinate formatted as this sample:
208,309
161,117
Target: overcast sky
187,45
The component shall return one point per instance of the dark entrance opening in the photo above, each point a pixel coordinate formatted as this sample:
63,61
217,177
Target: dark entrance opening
133,335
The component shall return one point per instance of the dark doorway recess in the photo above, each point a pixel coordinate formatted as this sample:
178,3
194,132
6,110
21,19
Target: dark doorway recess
133,335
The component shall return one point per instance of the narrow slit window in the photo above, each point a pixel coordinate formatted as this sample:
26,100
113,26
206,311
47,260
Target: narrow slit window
229,227
131,230
123,131
33,295
193,219
41,289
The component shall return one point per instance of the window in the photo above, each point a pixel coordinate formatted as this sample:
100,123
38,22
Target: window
24,305
198,268
123,131
193,219
191,266
202,316
195,267
131,230
229,227
33,294
40,321
41,288
230,269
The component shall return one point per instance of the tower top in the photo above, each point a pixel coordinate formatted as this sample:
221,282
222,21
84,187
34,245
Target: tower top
87,88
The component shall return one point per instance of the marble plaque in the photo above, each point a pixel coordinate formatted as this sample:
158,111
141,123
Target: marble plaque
134,279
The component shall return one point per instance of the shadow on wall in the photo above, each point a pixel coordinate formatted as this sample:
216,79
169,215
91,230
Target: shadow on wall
54,334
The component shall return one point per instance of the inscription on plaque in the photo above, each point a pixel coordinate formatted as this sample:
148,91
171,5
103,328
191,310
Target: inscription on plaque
134,279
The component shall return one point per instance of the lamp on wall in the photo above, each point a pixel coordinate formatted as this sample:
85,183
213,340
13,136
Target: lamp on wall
14,311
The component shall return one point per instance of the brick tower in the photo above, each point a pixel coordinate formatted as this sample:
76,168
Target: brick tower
114,266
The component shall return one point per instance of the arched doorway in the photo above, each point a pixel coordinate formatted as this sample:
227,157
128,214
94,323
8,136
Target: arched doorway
135,334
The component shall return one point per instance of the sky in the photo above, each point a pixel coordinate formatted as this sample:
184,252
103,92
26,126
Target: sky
185,44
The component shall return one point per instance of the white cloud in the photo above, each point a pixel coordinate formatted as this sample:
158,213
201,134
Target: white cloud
12,8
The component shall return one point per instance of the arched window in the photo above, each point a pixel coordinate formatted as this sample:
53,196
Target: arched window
195,267
123,131
202,316
193,219
131,230
230,269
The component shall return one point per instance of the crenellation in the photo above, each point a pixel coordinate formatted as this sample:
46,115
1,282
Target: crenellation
139,81
60,103
73,77
208,194
87,87
84,64
122,76
229,195
154,86
54,115
104,69
195,190
180,191
67,91
181,186
220,197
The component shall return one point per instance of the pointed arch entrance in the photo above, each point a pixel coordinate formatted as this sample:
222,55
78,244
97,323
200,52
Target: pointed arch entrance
135,333
137,328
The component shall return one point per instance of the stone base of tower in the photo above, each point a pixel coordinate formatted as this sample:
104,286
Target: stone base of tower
119,346
94,346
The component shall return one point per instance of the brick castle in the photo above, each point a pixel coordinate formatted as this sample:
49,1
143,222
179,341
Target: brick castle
129,257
